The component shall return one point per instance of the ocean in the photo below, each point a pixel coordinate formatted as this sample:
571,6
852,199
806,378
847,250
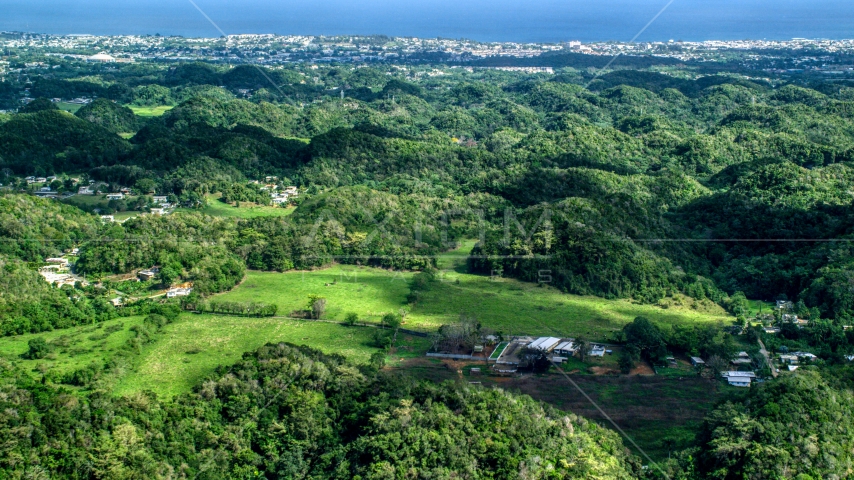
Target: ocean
485,20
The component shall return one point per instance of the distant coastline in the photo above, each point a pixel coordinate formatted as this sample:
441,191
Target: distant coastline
547,21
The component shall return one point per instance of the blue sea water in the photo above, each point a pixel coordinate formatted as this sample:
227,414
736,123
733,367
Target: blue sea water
487,20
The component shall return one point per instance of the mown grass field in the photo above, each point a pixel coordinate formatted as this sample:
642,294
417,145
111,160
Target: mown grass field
73,347
191,348
150,111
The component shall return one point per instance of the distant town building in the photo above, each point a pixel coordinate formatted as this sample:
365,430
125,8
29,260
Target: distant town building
101,58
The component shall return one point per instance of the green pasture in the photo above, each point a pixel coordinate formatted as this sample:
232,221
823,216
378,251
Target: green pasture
216,208
150,111
73,348
192,347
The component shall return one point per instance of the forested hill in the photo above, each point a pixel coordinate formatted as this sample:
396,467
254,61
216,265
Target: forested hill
292,412
620,170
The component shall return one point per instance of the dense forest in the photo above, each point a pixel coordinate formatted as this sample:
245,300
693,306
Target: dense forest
291,412
633,185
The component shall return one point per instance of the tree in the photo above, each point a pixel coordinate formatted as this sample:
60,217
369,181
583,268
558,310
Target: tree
717,364
38,349
738,304
169,275
646,338
351,318
583,348
316,306
627,358
391,320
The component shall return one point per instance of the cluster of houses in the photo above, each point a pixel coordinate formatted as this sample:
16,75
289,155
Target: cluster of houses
58,270
791,360
284,196
278,197
31,179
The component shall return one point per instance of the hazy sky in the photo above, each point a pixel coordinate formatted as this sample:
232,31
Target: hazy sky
528,20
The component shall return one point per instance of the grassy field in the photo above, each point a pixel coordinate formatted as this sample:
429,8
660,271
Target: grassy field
507,305
370,292
758,306
74,347
150,111
69,107
215,208
192,347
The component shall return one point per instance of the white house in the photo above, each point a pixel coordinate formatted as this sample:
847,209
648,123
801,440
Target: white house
789,359
108,218
159,199
115,196
85,191
597,351
739,379
178,292
806,355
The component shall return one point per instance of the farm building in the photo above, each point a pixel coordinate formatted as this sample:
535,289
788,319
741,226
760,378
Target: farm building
697,361
566,348
544,344
739,379
743,358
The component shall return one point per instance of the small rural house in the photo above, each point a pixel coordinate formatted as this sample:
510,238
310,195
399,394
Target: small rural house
146,275
739,379
697,362
178,292
597,351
